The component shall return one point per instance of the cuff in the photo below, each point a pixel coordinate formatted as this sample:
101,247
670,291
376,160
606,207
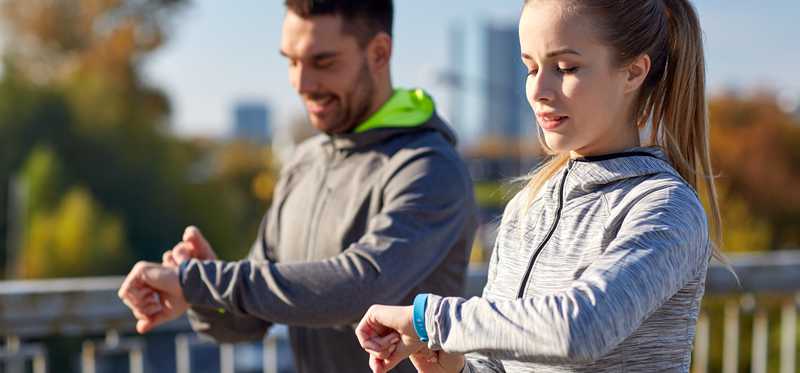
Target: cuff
195,290
434,342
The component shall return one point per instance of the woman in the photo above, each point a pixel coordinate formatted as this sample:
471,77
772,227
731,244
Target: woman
600,261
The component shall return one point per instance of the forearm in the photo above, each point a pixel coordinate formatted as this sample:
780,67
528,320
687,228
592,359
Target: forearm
224,327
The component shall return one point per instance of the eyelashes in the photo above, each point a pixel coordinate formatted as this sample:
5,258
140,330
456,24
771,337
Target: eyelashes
558,70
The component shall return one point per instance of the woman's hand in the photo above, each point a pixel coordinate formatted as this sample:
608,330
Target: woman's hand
387,333
437,362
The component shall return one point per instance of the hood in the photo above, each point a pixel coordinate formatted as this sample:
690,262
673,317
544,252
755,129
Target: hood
591,173
408,110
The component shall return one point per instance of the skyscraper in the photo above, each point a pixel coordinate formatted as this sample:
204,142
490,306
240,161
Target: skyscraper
251,122
507,113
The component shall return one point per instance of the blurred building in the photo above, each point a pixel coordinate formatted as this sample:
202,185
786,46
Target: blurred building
251,122
507,113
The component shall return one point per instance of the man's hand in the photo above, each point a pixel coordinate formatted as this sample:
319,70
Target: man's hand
154,295
193,245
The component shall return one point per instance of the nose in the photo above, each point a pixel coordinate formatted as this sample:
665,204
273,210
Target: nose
302,78
540,88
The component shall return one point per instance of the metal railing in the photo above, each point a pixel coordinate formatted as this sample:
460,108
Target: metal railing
88,308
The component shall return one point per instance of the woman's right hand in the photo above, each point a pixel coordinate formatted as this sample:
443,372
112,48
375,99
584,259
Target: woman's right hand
437,362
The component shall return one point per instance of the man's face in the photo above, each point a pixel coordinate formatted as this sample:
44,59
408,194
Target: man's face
329,70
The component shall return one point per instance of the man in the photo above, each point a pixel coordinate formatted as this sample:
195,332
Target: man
377,208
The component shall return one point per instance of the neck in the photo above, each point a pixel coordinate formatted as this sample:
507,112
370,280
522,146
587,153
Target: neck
614,142
383,92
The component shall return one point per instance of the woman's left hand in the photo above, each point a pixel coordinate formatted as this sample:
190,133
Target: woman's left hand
380,327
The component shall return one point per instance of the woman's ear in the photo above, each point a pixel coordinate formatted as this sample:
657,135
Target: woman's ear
637,73
379,52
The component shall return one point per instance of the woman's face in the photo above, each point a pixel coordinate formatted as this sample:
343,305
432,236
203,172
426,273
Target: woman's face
579,97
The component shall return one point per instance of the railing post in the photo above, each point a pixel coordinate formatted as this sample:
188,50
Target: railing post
182,358
789,335
730,344
87,357
760,341
136,359
270,354
226,358
40,363
701,344
15,364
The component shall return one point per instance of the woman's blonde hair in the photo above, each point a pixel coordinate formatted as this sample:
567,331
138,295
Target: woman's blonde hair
672,98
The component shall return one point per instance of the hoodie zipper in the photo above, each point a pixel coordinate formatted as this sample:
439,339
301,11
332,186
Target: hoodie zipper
315,211
532,261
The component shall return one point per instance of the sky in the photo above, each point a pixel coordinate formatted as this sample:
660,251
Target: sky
224,52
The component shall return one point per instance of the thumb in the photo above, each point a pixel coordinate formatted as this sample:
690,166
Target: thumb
193,236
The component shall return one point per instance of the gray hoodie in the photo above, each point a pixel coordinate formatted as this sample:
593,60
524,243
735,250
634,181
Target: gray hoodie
603,273
357,219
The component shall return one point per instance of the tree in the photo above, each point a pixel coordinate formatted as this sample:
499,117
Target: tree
756,152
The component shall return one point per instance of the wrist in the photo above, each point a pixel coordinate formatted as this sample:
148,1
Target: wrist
418,316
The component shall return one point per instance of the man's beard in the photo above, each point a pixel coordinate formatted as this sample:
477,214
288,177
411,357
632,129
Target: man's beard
359,100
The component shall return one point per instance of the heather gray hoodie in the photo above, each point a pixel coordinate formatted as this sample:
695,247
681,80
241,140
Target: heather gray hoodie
357,219
603,273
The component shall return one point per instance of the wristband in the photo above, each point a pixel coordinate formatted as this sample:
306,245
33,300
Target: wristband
420,302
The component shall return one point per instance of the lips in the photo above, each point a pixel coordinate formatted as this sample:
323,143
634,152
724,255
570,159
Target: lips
319,105
551,121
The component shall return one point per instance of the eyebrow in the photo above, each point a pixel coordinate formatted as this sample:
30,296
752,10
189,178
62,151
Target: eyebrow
316,57
554,53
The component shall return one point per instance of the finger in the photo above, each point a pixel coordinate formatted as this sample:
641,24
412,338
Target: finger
168,259
147,312
368,327
131,280
139,296
377,365
386,353
405,348
384,346
183,251
387,340
147,324
192,235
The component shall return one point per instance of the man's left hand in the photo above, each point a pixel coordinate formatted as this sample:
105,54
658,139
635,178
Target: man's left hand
154,295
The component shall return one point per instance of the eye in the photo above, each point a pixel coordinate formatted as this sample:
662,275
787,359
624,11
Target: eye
567,70
325,63
533,72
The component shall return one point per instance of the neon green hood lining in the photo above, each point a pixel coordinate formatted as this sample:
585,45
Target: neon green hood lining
405,109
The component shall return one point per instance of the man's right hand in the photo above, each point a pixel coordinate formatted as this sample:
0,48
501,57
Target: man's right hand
194,245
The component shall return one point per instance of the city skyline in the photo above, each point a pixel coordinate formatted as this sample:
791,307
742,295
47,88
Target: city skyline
220,55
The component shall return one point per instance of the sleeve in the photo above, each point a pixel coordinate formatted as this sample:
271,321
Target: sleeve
662,244
427,205
477,363
226,327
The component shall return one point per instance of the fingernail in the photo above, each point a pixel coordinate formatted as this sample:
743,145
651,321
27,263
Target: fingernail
394,340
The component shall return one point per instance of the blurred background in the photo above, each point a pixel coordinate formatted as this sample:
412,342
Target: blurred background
123,121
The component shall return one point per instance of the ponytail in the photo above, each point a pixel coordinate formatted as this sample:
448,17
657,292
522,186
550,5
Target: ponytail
678,110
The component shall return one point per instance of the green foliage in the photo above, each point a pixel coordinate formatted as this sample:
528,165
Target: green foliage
104,183
77,239
494,194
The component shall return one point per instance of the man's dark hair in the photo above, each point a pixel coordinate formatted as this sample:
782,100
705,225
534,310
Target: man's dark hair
361,18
